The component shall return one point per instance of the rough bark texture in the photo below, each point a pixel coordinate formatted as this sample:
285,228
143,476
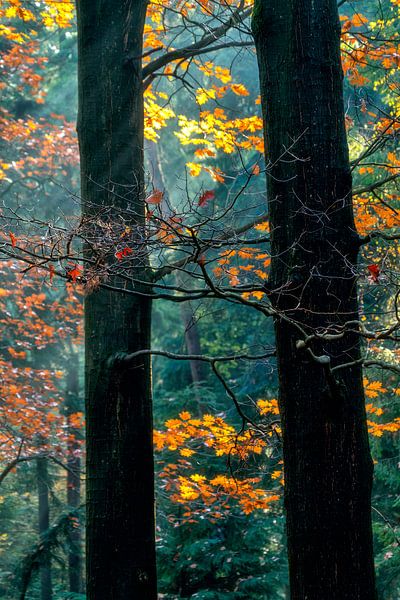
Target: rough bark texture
46,589
73,405
328,468
120,494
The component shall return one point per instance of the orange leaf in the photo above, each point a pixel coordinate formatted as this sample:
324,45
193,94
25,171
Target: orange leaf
74,273
239,89
13,239
16,354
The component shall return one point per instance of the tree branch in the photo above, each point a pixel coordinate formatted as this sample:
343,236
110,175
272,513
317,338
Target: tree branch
197,47
375,185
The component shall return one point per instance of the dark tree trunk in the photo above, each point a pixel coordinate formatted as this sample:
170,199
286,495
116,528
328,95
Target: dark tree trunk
46,590
120,481
314,246
73,405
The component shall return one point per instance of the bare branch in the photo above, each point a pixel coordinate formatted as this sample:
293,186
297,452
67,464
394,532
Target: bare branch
127,359
230,234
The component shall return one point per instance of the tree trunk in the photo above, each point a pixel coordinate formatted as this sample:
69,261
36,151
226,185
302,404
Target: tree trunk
74,474
314,246
46,591
120,470
156,174
192,339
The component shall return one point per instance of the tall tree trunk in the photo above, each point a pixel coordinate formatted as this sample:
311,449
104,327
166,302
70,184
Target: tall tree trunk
73,405
120,480
192,339
314,246
46,590
156,174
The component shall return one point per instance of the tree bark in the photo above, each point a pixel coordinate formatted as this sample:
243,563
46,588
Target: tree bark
74,474
46,590
193,344
120,470
156,174
314,246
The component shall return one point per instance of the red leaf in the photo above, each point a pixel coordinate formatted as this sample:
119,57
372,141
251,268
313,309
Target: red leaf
205,197
13,239
51,273
155,198
122,253
74,273
374,271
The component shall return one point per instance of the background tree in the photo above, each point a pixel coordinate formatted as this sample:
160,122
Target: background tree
46,592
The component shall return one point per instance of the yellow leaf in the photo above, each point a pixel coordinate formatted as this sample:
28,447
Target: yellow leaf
194,169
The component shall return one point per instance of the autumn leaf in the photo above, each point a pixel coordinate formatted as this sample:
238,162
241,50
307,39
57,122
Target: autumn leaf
194,169
372,389
239,89
205,197
203,95
74,273
123,253
155,198
185,416
76,420
374,271
262,226
258,295
186,452
358,20
13,239
16,354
